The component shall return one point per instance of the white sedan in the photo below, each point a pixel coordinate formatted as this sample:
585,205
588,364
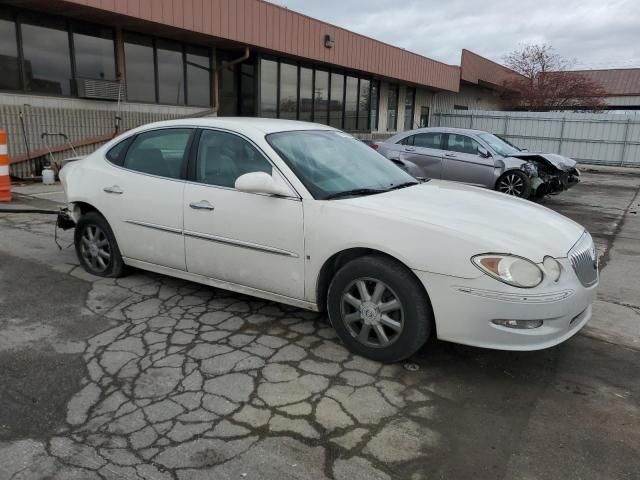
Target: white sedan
306,215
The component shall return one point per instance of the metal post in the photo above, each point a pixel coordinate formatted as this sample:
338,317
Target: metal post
626,142
564,120
471,122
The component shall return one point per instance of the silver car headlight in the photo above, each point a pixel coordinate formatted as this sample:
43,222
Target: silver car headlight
515,271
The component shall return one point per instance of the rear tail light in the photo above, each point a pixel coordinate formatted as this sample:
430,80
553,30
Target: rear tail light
374,146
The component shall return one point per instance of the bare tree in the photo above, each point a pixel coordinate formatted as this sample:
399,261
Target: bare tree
546,83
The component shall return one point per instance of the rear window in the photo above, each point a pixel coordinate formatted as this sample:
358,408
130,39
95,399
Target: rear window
159,152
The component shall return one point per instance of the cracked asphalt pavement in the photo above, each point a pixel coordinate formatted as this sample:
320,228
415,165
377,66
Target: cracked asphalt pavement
150,378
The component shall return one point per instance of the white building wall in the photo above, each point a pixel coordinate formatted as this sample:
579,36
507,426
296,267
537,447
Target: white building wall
470,96
623,101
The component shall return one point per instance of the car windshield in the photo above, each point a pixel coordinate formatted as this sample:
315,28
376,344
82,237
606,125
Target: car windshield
332,163
498,145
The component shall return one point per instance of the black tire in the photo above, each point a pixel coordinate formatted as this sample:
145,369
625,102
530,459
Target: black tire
100,257
415,316
514,183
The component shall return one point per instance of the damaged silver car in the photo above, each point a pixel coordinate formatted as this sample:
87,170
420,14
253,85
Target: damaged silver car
479,158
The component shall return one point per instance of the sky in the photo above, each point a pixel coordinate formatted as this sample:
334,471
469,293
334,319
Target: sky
591,33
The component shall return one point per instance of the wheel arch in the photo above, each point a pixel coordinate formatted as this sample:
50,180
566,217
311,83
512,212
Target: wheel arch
80,208
341,258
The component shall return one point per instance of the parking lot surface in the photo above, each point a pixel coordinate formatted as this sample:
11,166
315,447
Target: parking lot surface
149,377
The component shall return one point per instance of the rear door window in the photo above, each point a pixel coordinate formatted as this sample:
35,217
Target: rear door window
159,152
428,140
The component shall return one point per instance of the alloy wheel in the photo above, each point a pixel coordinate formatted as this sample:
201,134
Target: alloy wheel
511,184
372,312
95,248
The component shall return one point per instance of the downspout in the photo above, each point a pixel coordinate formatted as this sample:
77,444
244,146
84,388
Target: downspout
216,75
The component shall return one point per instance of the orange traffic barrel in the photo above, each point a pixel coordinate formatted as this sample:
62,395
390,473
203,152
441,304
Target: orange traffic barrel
5,181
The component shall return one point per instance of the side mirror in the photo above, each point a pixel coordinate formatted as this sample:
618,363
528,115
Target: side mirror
261,182
483,152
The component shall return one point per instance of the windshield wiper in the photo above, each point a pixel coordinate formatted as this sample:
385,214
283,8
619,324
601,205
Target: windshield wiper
402,185
354,192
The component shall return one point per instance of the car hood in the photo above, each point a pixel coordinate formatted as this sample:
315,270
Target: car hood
561,162
488,220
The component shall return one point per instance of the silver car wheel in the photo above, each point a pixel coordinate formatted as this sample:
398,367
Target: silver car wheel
95,248
511,184
372,312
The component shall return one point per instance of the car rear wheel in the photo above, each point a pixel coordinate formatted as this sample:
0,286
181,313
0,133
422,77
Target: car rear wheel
515,183
379,309
96,246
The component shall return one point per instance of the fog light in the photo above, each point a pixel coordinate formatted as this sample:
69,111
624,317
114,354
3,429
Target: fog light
519,324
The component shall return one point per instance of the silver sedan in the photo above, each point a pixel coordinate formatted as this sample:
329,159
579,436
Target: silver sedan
479,158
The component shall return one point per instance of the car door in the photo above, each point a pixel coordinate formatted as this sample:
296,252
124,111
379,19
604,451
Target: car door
141,195
462,161
248,239
427,153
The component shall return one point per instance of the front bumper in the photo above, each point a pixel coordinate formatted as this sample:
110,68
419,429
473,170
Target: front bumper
465,308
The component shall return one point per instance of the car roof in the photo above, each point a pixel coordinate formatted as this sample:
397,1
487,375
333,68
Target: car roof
401,135
446,129
241,124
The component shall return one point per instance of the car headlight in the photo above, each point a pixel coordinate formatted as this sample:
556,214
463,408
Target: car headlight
515,271
552,267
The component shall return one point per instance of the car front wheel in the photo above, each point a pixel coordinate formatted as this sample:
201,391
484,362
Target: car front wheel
515,183
379,309
96,246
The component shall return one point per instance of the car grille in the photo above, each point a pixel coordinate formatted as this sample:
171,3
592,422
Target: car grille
584,260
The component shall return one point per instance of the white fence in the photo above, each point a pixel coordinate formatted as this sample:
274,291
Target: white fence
607,139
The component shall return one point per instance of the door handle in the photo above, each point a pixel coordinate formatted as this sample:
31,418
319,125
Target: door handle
201,205
114,189
450,155
409,149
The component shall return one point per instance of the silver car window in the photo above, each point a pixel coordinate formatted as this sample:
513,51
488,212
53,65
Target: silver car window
428,140
462,144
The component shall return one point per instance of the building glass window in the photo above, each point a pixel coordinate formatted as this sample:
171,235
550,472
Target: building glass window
337,98
288,91
392,108
94,51
9,63
170,72
268,88
248,90
409,102
47,62
198,76
351,105
375,100
306,94
321,97
139,64
363,104
292,91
